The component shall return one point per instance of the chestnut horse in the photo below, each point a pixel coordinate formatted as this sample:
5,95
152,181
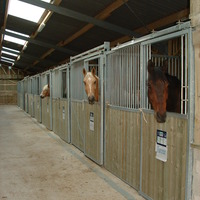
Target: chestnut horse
163,91
91,82
45,91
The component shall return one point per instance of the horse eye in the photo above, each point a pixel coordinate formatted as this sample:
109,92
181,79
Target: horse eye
95,82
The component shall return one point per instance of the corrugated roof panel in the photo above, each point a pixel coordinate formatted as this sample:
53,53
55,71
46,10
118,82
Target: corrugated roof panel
20,25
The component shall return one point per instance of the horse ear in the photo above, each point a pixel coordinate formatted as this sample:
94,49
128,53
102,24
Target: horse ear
84,72
93,71
48,85
151,66
165,66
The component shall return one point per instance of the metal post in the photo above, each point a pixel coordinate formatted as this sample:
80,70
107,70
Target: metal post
191,113
69,102
51,90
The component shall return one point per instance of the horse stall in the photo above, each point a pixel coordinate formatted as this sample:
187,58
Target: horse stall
87,119
36,98
30,96
26,94
60,102
47,101
20,94
154,158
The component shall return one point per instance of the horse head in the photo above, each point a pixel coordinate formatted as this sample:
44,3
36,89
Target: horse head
91,85
158,90
45,91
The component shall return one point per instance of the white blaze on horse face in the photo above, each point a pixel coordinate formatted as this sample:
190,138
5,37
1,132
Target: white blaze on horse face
45,91
90,86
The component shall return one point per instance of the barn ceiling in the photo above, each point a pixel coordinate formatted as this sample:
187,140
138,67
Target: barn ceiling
69,27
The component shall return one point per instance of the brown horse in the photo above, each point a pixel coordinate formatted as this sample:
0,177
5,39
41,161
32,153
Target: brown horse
91,82
163,91
45,91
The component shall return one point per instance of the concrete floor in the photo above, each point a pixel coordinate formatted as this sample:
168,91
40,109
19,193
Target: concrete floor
36,164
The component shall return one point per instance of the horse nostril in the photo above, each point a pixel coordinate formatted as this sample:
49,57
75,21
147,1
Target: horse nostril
161,118
91,99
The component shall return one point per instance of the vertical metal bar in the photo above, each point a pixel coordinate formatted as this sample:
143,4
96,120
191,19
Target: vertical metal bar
182,74
121,76
186,73
141,152
132,97
40,77
51,90
191,114
101,66
127,88
141,75
69,102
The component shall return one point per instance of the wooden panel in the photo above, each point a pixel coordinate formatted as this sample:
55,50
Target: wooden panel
46,112
64,120
26,102
60,118
122,145
30,105
164,180
78,124
93,138
22,101
55,114
37,107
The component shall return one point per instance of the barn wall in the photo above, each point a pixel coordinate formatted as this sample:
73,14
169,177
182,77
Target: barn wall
46,120
37,107
195,18
93,137
78,124
164,180
8,85
60,118
122,145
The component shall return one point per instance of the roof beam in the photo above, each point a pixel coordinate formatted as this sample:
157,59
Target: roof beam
81,17
36,58
38,42
4,24
157,24
102,16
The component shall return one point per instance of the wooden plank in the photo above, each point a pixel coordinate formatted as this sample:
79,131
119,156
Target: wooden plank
64,120
92,138
164,180
157,24
123,145
78,125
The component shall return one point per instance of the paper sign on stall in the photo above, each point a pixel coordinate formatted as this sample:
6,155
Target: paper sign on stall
91,121
161,145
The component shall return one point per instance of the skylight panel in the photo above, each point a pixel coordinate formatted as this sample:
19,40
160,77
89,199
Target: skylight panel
8,53
8,59
9,49
25,10
14,39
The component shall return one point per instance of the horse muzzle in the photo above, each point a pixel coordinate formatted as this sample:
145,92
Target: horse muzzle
161,118
91,99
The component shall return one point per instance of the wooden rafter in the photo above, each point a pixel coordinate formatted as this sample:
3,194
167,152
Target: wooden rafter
101,16
155,25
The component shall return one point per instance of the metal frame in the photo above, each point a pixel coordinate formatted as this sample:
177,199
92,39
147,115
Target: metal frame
184,31
92,54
